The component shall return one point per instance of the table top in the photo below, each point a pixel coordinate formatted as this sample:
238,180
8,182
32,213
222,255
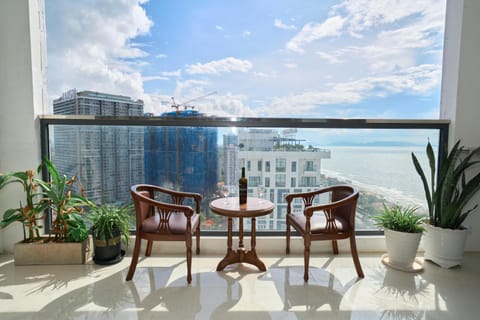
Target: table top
230,207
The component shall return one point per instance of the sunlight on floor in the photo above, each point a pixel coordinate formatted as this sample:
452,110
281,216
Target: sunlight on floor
159,289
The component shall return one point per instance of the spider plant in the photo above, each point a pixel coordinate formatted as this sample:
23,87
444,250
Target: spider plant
398,218
108,218
448,195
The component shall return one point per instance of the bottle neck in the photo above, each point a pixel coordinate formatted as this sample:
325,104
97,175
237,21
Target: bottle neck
243,172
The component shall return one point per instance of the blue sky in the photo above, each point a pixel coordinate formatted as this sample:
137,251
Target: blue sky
309,58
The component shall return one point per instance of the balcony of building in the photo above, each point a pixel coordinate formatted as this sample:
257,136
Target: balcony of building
159,288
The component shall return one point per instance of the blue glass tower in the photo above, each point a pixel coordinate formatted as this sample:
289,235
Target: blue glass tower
182,158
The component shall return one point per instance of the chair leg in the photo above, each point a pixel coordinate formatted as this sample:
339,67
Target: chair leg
148,251
188,243
356,260
133,263
197,234
335,246
288,237
306,257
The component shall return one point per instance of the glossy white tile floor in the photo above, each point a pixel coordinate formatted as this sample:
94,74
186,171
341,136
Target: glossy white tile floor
159,290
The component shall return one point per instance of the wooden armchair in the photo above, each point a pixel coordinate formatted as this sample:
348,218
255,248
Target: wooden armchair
161,216
332,221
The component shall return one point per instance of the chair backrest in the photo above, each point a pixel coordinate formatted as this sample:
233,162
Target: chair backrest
145,198
349,195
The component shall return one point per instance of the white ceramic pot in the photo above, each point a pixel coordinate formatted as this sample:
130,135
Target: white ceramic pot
443,246
402,247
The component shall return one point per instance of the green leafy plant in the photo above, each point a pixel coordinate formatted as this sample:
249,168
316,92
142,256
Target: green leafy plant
30,212
401,219
107,218
68,224
448,195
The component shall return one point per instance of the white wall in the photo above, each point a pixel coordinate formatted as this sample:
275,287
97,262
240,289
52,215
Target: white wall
22,97
461,87
23,91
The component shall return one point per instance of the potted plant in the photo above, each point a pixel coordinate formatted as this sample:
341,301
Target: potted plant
67,241
110,227
448,194
403,229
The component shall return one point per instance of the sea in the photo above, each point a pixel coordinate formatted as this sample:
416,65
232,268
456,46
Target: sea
387,171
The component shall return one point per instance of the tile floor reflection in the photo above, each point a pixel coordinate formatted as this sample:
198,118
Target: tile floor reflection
159,290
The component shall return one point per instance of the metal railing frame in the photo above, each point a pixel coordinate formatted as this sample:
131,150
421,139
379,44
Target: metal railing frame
323,123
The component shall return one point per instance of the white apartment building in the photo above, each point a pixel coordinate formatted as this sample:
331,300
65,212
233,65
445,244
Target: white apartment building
280,164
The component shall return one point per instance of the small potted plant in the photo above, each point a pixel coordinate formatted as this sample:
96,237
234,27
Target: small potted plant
448,194
403,229
110,227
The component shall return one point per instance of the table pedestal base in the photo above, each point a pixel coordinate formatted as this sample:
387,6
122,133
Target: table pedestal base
241,256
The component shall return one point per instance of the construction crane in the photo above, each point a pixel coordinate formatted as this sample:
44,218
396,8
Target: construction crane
178,105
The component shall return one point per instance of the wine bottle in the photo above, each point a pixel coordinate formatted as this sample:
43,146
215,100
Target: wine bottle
242,187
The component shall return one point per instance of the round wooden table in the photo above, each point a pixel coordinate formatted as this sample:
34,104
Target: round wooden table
230,208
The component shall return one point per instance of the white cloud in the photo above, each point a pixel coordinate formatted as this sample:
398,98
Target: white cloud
330,58
176,73
366,14
314,31
419,79
153,78
227,106
246,34
279,24
290,65
161,56
220,28
87,48
219,66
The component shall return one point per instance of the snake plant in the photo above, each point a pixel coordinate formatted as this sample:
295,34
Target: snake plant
450,190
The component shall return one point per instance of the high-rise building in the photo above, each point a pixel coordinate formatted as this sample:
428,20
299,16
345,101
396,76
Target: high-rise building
182,158
106,160
230,166
280,163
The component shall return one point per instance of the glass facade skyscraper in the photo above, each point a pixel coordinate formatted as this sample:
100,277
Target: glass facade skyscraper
182,158
106,160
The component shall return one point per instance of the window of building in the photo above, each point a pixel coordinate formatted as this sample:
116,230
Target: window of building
280,165
309,166
280,180
294,166
267,166
267,182
259,165
254,181
309,181
293,182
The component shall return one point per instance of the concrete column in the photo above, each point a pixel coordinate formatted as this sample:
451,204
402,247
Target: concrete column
460,101
22,97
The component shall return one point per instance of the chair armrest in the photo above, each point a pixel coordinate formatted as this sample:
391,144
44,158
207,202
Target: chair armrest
177,196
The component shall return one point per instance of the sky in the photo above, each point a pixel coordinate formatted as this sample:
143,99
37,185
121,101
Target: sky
252,58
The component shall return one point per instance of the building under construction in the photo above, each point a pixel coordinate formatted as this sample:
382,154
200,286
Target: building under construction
182,158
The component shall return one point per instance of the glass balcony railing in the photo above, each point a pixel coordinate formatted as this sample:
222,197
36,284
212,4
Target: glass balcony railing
200,154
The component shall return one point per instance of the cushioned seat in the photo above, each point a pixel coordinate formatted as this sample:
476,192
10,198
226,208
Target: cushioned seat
177,223
318,223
